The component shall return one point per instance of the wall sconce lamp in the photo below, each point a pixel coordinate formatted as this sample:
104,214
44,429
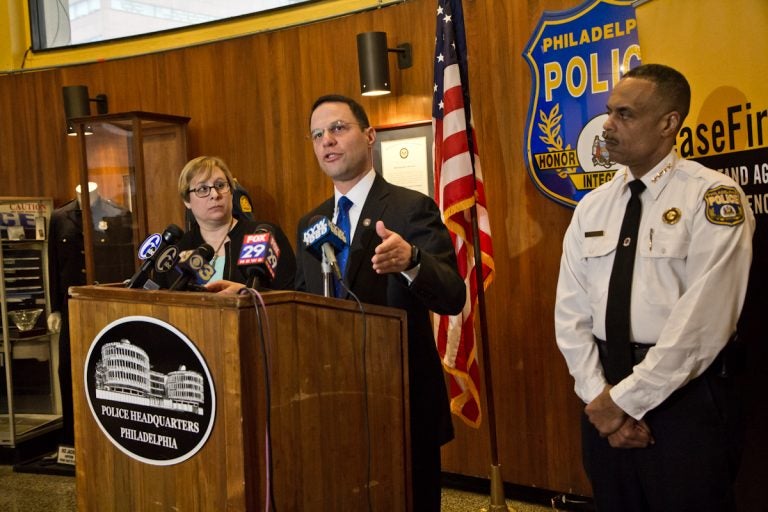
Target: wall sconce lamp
77,104
373,64
72,131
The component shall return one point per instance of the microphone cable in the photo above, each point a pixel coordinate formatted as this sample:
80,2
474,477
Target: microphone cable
366,419
263,325
258,301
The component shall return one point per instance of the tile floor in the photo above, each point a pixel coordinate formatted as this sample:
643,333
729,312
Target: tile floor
29,492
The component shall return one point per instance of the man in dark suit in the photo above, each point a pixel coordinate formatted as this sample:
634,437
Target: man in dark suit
401,256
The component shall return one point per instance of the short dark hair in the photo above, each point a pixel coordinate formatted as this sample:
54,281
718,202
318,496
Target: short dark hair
671,84
357,110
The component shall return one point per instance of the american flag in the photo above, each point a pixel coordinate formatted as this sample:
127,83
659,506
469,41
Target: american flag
459,187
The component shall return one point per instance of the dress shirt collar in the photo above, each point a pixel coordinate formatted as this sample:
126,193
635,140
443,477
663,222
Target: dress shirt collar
656,179
357,194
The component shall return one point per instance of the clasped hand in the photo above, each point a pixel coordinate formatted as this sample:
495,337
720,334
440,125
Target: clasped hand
612,422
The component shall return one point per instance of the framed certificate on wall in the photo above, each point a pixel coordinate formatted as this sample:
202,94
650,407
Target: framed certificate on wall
403,155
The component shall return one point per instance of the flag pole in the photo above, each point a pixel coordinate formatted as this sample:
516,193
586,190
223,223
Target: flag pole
497,499
450,64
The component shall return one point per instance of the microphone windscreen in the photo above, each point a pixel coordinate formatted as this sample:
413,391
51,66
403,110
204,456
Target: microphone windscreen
206,251
259,252
166,260
193,265
320,232
153,247
172,234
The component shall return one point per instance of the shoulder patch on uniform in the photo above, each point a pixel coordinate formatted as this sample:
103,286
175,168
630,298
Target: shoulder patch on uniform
723,206
245,204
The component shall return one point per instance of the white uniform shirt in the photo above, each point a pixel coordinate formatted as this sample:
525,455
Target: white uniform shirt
688,287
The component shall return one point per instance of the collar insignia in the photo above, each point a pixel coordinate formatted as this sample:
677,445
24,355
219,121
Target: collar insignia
664,170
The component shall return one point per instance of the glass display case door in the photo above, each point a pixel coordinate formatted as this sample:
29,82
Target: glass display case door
130,164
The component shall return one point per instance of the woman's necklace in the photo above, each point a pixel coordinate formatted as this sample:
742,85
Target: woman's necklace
224,239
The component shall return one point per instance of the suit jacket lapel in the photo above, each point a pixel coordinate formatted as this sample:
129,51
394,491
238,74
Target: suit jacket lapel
75,215
366,239
326,209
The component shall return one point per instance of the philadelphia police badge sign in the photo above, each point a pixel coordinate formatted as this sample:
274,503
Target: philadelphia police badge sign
576,57
149,390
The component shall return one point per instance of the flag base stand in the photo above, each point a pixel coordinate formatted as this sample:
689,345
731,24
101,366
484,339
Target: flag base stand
498,502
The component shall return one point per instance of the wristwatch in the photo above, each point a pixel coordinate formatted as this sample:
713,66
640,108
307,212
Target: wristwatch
415,257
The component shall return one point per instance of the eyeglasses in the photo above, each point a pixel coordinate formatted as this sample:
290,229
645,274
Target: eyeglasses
336,129
221,187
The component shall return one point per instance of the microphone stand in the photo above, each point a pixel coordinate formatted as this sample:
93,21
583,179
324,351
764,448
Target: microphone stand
253,280
327,277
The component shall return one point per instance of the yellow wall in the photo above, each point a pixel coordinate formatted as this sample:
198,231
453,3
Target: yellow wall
722,52
13,19
15,38
721,49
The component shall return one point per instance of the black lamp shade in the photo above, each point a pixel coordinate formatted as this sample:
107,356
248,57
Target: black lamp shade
372,63
76,103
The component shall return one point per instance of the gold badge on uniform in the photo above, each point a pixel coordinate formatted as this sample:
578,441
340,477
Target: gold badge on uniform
723,206
672,215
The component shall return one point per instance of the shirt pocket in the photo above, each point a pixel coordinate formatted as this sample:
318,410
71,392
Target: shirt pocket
662,260
598,253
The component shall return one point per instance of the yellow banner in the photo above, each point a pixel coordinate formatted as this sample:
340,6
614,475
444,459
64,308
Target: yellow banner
720,46
721,49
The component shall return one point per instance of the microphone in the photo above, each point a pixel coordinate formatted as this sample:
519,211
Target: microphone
164,262
323,239
194,266
152,246
167,259
259,255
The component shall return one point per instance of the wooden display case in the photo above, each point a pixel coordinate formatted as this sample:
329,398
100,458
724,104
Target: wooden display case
130,163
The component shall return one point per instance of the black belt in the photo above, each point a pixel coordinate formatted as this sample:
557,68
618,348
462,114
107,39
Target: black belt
728,362
639,350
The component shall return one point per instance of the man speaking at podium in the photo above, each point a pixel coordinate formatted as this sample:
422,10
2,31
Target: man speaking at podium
399,254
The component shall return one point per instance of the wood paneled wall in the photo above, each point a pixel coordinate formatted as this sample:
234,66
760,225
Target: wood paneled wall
248,100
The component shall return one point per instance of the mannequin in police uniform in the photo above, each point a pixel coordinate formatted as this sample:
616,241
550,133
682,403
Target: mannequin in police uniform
66,267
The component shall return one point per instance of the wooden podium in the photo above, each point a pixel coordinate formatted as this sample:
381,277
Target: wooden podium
327,453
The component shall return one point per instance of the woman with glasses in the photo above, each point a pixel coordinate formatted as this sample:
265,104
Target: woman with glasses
205,186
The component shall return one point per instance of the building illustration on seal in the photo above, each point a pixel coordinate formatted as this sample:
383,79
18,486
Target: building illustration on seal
124,374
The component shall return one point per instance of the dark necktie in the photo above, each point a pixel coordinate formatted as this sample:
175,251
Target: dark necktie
618,361
342,221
